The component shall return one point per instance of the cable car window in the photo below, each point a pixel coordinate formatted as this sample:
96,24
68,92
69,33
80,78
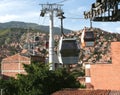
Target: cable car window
89,36
89,43
69,44
69,54
69,48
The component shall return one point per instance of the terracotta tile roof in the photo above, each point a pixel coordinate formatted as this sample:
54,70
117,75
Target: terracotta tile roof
114,93
86,92
16,57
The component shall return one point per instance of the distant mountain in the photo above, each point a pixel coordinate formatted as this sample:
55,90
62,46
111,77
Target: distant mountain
16,24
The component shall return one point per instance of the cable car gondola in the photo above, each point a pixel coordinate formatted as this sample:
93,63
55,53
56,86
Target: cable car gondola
37,38
88,38
68,51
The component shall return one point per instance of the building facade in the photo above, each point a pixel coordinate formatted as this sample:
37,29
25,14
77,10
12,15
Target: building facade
13,65
105,76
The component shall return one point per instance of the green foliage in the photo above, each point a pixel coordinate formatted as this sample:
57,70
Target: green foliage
39,80
9,86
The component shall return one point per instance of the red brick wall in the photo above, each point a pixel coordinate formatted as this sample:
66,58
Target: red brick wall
14,65
115,47
107,76
13,69
10,66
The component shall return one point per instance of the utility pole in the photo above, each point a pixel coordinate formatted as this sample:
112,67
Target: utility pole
51,8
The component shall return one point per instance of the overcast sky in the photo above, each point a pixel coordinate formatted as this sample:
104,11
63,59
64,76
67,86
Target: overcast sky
29,11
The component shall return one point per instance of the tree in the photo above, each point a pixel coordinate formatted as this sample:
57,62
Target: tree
9,86
39,80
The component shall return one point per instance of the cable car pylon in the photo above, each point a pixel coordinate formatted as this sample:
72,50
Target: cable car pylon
51,8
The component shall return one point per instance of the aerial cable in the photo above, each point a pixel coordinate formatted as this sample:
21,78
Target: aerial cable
61,1
73,18
70,17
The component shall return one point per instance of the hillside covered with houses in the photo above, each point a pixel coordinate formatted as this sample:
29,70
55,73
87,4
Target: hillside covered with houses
33,41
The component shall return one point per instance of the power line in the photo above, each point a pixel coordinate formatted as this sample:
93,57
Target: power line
70,17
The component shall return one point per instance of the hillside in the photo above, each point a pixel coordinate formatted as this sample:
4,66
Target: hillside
16,24
14,40
11,40
101,52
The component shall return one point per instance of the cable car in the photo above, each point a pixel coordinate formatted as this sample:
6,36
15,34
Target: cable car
37,38
68,51
89,38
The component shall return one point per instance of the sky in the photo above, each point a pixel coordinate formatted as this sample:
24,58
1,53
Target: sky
29,11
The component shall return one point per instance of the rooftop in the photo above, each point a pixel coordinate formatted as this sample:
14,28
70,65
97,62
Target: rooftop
86,92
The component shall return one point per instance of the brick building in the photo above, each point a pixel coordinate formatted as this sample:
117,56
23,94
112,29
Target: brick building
105,76
13,65
101,78
98,76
